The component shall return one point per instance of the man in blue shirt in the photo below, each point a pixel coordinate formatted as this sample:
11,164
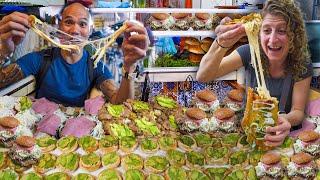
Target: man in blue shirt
67,80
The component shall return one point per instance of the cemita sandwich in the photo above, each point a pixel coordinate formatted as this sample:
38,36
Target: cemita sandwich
134,174
67,144
90,162
206,100
156,164
175,173
111,174
196,119
196,174
176,158
108,144
160,21
8,127
88,144
154,177
202,21
111,160
308,141
83,176
58,175
46,163
234,100
132,161
8,174
149,145
270,166
167,142
301,166
68,162
31,176
224,118
46,143
24,151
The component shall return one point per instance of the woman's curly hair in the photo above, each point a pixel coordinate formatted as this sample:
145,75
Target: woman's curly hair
298,56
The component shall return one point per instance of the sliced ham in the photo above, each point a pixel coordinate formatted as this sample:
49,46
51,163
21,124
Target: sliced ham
78,127
49,124
44,106
92,106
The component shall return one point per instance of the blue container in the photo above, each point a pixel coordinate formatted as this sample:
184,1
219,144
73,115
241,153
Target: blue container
313,32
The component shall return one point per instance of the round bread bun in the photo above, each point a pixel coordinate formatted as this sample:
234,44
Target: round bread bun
301,158
236,95
129,150
196,113
196,50
192,41
195,58
26,141
9,122
206,95
48,148
203,16
206,43
160,16
207,40
308,135
180,15
205,47
270,158
224,113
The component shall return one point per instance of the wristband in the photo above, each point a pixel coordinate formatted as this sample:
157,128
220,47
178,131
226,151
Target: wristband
222,46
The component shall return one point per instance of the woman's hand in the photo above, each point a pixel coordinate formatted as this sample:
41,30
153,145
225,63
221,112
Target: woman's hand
135,45
276,135
228,35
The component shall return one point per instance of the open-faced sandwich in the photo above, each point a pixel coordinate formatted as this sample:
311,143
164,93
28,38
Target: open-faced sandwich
217,156
154,177
108,144
176,158
132,161
46,143
3,160
58,175
308,141
111,160
46,163
186,142
230,140
120,130
197,174
31,176
110,112
68,162
175,173
234,100
160,21
109,174
149,145
83,176
217,172
88,143
147,127
238,158
128,144
237,174
8,127
203,140
301,166
195,159
225,119
24,151
167,142
67,144
156,164
134,174
8,174
270,166
90,162
206,100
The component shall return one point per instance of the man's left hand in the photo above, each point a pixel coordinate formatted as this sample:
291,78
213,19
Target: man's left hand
135,44
276,135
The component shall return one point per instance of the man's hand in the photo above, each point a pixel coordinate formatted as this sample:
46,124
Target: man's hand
134,45
276,135
13,29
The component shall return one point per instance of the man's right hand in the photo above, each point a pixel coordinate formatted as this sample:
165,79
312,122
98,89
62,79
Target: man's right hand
228,35
13,29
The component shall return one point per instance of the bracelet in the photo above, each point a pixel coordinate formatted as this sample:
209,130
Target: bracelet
5,59
222,46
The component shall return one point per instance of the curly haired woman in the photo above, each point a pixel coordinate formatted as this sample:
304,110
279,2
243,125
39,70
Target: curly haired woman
288,70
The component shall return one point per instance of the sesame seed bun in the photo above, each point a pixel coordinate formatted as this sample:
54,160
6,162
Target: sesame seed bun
160,16
192,41
26,141
301,158
196,50
203,16
308,135
180,15
9,122
224,113
206,44
206,95
236,95
196,113
270,158
195,58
